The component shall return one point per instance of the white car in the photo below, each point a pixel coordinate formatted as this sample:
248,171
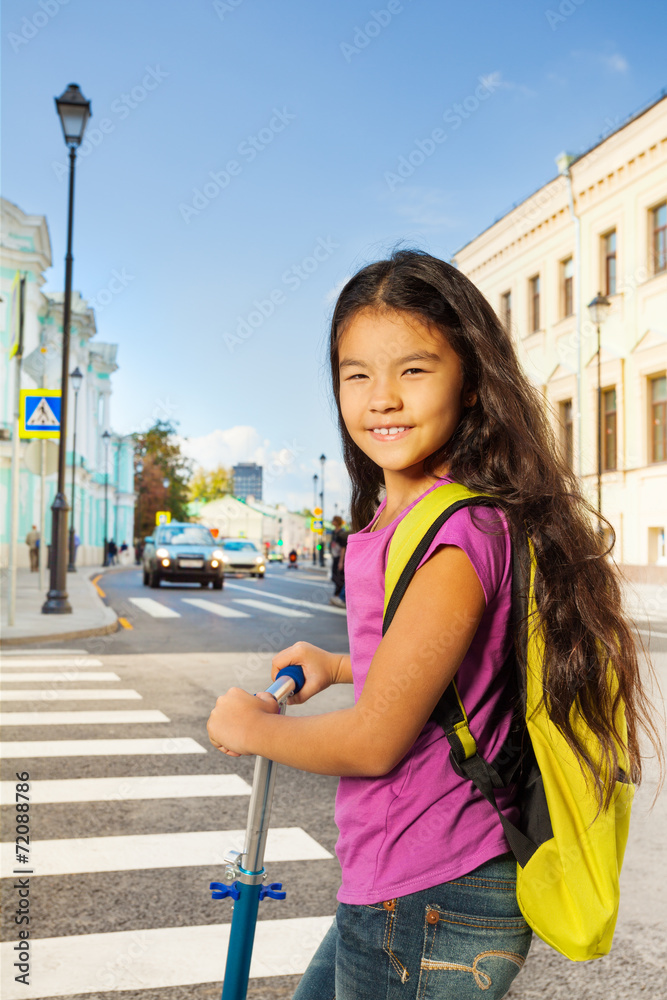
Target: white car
240,555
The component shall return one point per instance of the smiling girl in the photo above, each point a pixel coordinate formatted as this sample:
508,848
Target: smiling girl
429,391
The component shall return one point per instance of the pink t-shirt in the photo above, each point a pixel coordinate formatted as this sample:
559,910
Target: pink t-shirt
421,824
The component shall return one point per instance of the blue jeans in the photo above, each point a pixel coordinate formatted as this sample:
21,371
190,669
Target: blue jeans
462,939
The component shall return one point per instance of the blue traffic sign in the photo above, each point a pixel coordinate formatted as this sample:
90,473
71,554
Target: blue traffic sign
40,413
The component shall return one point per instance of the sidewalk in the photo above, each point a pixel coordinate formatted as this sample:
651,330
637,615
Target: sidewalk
90,616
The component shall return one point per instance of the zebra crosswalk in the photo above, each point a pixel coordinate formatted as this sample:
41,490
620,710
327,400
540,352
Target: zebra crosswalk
146,958
266,601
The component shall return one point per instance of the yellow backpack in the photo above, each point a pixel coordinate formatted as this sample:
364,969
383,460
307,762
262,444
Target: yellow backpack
569,853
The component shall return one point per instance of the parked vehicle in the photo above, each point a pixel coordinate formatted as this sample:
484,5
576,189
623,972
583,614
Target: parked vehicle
183,553
241,555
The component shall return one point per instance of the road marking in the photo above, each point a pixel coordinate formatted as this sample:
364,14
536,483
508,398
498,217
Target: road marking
154,608
44,676
69,694
125,623
216,609
157,958
37,661
48,652
100,748
310,580
138,852
81,718
290,600
98,589
274,609
130,789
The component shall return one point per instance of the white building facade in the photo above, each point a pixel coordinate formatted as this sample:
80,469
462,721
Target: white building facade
600,226
104,469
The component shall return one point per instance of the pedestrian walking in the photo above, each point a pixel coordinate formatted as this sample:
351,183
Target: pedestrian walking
32,541
113,552
337,547
431,396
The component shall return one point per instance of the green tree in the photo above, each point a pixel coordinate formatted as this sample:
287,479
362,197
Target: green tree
161,458
209,486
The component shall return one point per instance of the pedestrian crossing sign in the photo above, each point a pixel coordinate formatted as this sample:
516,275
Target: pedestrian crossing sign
162,517
39,413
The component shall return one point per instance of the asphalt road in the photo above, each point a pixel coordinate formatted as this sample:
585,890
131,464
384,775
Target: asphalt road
120,884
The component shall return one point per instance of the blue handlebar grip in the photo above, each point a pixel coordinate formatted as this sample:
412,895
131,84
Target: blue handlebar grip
296,673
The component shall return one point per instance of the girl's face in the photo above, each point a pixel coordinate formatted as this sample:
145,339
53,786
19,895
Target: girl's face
401,388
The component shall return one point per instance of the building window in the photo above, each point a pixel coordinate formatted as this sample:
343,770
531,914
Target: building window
566,431
535,303
609,429
567,285
506,307
609,247
658,397
659,239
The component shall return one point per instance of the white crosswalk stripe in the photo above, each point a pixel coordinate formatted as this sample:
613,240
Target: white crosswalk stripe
272,608
70,694
154,608
43,661
216,609
81,718
132,788
45,676
316,606
160,850
48,652
99,748
158,958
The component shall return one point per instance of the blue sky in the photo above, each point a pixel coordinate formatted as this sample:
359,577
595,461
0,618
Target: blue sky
243,160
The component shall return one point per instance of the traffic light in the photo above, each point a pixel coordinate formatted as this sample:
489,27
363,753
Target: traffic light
319,546
280,541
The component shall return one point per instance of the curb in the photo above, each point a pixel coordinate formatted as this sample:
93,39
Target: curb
84,633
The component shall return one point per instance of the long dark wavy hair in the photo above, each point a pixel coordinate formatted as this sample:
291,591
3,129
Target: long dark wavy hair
504,446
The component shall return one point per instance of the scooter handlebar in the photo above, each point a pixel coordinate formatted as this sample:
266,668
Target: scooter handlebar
288,681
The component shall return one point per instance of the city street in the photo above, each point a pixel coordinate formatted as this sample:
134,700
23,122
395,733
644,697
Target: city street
131,809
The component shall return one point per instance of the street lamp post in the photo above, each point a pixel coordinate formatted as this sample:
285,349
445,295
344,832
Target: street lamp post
74,112
77,378
106,437
598,310
323,459
315,477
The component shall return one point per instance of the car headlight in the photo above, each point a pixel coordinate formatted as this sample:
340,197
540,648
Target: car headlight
259,559
162,553
225,559
217,554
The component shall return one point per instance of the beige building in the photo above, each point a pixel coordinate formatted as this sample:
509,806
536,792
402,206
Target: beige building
599,226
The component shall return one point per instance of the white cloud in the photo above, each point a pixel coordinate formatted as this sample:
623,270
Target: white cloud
495,81
287,470
611,60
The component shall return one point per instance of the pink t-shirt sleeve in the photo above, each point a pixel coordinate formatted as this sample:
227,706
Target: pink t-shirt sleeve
482,533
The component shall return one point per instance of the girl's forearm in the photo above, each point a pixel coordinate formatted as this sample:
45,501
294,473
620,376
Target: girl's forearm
333,743
344,670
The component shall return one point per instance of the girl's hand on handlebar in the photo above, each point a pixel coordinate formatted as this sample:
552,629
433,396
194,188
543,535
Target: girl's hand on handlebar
230,725
320,668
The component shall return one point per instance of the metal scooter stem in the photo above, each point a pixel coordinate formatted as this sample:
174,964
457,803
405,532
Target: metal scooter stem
250,866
